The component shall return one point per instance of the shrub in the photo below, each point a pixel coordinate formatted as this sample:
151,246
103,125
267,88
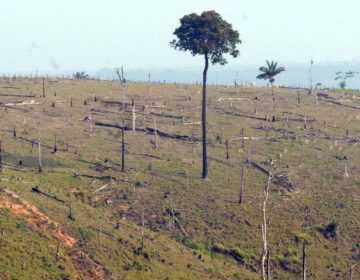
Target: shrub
329,231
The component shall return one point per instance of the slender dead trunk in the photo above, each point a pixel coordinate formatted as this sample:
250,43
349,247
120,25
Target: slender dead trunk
304,262
123,145
264,228
203,119
268,265
142,230
57,255
122,82
55,146
39,158
133,116
352,271
1,151
242,138
241,185
156,141
43,93
149,85
227,149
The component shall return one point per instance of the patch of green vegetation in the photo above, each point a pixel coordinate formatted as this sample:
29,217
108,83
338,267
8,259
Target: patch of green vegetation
312,157
235,252
302,237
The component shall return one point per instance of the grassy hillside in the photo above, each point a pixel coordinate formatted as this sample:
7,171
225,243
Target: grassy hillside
122,224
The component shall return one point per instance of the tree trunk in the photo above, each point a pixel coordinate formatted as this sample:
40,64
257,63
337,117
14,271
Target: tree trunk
352,271
122,146
39,158
264,228
1,169
133,117
156,142
203,119
55,146
304,262
268,265
122,83
227,149
43,93
241,185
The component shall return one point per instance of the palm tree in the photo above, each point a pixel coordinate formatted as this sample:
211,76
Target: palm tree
80,76
318,85
343,76
270,72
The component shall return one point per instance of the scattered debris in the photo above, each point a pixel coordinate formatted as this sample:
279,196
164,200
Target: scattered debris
31,102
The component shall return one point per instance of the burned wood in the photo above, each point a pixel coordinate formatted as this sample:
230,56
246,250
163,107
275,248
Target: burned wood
308,119
17,95
110,103
101,178
246,138
152,130
173,136
241,115
280,179
22,103
257,166
10,87
283,180
93,110
14,108
118,126
167,116
276,129
38,191
340,104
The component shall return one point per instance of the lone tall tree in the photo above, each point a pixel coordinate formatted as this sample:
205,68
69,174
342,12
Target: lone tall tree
211,36
269,73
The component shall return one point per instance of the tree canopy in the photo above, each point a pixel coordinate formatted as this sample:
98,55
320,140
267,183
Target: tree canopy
207,34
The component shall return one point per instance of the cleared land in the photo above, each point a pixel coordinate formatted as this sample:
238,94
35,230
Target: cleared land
134,225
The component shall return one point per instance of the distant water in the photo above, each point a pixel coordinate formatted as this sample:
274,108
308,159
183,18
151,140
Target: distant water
295,75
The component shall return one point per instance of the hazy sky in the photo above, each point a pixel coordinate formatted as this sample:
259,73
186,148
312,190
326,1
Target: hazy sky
91,34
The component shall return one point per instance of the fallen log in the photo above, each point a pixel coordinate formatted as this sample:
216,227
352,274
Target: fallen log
100,189
234,99
276,129
340,104
10,87
241,115
173,136
246,138
257,166
109,178
280,179
167,116
152,130
38,191
31,102
17,95
109,103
